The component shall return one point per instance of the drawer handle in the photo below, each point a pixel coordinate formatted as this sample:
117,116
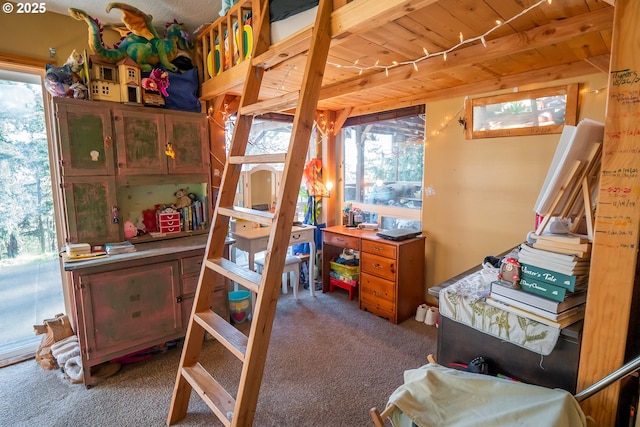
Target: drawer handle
378,266
377,248
295,236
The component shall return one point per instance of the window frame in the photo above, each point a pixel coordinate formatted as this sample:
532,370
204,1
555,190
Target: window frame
412,214
570,118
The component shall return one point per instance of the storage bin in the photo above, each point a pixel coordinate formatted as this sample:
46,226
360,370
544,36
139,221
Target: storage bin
239,305
346,270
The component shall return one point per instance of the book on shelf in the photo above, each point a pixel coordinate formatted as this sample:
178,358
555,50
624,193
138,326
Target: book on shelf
543,303
119,247
556,317
568,281
547,290
562,323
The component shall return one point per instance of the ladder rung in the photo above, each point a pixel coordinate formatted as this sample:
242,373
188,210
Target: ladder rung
280,103
261,217
216,397
242,276
224,332
258,159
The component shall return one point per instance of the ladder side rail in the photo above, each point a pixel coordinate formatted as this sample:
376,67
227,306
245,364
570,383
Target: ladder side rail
253,368
219,227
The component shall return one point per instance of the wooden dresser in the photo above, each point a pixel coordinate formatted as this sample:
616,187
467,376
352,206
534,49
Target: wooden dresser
391,281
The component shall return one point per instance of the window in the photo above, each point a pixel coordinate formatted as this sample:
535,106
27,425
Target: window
534,112
258,184
383,167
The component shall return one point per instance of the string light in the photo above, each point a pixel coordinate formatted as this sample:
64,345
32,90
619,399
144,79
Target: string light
445,124
281,86
586,91
427,54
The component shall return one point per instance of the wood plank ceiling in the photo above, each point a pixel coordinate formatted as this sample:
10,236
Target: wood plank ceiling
552,41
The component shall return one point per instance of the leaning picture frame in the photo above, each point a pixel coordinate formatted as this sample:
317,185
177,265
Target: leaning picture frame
534,112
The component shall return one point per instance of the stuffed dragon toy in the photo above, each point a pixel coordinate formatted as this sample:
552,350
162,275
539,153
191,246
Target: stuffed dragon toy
142,44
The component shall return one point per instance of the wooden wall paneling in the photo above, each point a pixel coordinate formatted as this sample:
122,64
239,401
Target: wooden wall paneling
615,248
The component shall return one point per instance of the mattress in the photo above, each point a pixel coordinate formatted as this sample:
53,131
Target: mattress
291,24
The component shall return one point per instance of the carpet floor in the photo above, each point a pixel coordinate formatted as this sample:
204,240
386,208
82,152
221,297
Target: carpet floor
328,364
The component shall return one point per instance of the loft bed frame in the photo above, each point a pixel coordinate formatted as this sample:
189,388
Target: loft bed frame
219,73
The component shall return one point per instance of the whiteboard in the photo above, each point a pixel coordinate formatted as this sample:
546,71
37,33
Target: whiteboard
576,143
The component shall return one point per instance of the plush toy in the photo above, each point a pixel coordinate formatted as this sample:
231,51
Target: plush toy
58,80
158,81
130,230
183,199
143,44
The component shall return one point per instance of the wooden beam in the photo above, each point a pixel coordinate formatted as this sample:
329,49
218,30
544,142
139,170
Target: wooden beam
341,117
358,17
601,62
617,226
573,69
538,37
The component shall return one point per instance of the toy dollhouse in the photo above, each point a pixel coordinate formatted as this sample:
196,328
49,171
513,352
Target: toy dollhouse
118,82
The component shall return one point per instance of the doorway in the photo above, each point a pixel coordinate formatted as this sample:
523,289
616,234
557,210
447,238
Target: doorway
30,278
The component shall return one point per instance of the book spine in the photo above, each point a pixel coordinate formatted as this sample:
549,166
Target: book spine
538,274
543,289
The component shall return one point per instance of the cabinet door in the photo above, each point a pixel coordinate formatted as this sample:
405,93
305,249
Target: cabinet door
86,138
127,309
89,201
140,142
188,135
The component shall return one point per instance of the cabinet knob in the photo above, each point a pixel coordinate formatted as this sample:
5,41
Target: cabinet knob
107,141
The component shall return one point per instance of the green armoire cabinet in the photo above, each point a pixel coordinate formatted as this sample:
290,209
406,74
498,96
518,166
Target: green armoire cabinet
104,147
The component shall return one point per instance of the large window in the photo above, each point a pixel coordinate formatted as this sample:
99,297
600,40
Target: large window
383,167
258,185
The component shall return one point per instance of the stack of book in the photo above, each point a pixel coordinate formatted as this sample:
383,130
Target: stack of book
119,247
553,281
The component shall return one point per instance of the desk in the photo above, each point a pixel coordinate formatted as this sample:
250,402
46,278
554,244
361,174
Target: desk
253,240
391,281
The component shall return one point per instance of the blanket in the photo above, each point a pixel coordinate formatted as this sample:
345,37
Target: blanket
463,302
434,396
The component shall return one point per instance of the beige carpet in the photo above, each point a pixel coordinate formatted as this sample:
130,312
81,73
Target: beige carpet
328,364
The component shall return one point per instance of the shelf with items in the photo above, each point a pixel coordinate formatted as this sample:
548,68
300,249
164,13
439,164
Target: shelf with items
157,213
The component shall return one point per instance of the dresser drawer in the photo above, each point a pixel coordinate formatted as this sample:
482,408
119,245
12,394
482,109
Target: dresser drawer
375,289
191,265
377,248
170,229
340,240
379,266
378,310
169,216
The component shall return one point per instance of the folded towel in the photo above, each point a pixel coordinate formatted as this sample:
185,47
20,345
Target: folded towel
64,357
73,368
63,345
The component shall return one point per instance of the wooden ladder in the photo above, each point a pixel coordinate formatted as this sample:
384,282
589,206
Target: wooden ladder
251,350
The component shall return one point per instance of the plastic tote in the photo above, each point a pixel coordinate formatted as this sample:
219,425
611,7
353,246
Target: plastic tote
240,305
